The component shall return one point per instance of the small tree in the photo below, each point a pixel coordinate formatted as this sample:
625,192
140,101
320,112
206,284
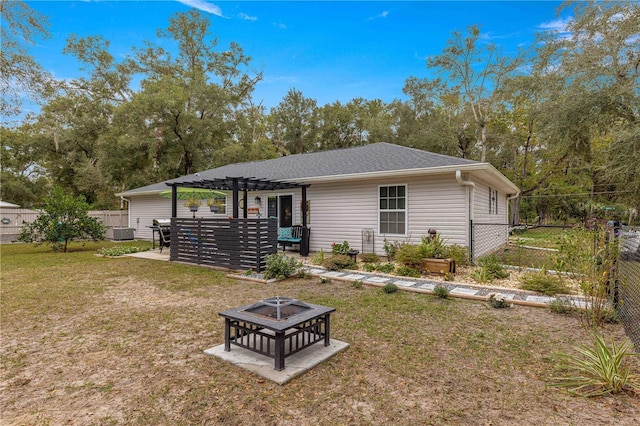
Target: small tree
63,219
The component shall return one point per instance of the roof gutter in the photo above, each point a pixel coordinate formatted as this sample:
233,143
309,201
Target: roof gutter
472,187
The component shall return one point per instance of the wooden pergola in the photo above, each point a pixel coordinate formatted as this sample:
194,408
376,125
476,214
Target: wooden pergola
234,243
238,185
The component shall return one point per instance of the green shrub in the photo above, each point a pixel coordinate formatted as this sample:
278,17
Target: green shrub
410,255
600,370
340,248
605,314
304,274
441,292
490,269
318,258
544,283
391,247
406,271
118,250
561,306
325,280
385,268
433,247
370,258
357,284
279,265
448,276
369,267
481,275
458,253
390,288
338,261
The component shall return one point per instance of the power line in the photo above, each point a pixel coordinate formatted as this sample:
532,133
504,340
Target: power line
576,194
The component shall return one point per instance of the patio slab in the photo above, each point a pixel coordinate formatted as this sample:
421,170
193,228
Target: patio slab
152,255
295,365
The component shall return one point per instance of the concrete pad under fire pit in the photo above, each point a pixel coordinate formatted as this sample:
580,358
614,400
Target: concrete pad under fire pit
262,365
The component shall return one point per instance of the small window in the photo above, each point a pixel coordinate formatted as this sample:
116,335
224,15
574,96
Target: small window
272,206
493,201
392,202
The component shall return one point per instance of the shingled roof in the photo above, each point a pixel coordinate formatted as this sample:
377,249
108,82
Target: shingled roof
361,160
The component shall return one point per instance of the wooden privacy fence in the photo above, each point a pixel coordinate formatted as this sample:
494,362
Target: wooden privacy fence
227,243
14,219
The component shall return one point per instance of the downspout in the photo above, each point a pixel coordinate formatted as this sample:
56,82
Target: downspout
122,200
471,187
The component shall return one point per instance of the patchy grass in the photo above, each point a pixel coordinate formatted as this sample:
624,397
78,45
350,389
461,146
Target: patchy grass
539,237
89,340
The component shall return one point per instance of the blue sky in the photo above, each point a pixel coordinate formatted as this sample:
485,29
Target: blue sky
329,50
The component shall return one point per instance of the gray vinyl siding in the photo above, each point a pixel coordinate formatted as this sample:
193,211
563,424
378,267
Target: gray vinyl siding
143,209
481,205
340,211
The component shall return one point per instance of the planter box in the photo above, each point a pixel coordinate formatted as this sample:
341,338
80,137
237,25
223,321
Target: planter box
439,266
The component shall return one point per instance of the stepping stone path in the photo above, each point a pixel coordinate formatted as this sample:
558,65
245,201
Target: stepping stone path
454,288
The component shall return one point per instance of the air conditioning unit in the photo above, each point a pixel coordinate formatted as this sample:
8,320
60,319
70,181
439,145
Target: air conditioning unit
120,234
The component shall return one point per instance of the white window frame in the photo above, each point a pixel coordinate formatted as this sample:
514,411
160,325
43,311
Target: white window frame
405,210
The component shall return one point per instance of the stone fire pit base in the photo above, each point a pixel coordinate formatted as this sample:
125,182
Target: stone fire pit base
297,364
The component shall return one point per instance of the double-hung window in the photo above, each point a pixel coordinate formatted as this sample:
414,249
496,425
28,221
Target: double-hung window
392,209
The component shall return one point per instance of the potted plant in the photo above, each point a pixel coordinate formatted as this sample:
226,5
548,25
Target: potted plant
193,204
215,205
434,252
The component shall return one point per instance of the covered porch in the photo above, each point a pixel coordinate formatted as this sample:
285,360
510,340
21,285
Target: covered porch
237,242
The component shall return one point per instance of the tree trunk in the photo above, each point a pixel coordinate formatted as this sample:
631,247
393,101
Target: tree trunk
515,210
483,136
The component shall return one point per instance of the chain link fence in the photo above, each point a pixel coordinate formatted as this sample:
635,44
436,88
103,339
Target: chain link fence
540,247
521,246
628,283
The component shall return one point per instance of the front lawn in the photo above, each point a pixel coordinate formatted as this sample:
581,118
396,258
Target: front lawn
94,340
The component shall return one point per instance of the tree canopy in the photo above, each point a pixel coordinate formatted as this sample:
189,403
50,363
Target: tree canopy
565,128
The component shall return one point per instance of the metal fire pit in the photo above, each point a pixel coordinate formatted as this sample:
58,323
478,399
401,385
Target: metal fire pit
276,327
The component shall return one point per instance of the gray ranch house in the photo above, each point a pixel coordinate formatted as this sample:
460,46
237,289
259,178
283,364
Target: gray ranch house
362,195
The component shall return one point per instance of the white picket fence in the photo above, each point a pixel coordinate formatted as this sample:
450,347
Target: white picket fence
12,220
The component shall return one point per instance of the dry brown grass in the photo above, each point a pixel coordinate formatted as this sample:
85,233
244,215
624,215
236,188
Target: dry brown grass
89,340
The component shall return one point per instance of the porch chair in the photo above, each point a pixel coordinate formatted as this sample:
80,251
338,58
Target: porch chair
165,237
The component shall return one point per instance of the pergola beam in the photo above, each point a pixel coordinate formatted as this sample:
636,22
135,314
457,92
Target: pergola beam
237,184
